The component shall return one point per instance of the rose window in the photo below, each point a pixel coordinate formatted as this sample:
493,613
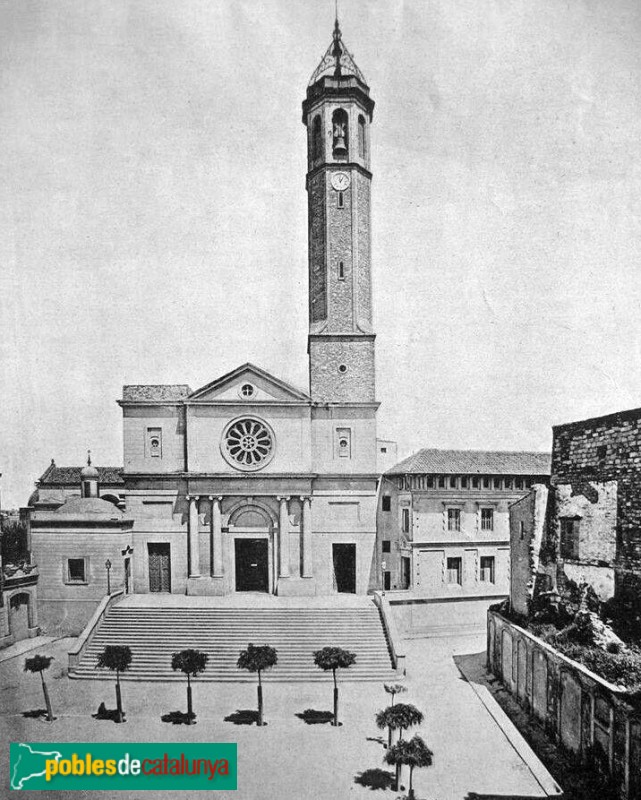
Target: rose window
248,443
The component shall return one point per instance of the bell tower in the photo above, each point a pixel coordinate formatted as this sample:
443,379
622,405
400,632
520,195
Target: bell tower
337,112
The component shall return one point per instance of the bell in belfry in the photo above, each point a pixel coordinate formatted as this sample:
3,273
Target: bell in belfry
340,147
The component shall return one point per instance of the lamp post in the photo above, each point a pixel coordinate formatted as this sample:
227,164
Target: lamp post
383,568
108,568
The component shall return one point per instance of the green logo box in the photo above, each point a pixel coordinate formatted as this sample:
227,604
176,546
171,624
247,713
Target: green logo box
118,766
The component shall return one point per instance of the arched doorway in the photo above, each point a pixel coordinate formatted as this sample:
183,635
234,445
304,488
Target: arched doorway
252,530
19,615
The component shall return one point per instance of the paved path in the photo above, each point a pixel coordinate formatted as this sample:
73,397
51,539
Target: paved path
474,758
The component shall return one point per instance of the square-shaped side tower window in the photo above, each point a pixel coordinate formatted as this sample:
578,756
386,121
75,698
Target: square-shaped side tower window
76,570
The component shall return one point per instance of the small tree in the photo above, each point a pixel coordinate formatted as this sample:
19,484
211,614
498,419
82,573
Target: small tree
414,753
116,657
191,663
394,689
13,541
256,659
334,658
40,664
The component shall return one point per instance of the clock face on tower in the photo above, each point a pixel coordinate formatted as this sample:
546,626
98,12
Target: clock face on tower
340,181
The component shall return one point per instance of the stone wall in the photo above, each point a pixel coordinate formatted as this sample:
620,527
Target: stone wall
589,717
527,525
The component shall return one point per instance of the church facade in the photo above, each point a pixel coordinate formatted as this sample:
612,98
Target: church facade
248,484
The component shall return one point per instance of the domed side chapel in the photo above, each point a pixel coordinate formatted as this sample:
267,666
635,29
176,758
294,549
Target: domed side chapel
249,484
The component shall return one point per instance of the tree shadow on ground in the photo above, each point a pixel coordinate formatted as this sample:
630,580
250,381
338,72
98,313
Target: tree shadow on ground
243,716
35,713
375,779
312,717
178,718
377,739
107,714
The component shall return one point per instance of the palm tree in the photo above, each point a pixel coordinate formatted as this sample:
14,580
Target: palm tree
387,719
334,658
116,657
256,659
399,718
40,664
191,662
414,753
394,689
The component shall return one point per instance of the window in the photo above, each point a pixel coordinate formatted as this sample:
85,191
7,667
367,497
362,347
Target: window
508,483
248,444
464,483
342,368
521,530
570,537
341,271
518,483
387,503
247,390
601,452
487,569
497,483
76,570
486,483
341,200
387,546
154,442
487,519
340,135
455,570
430,482
453,482
405,520
405,572
361,136
454,519
387,580
441,483
344,442
383,449
475,483
317,141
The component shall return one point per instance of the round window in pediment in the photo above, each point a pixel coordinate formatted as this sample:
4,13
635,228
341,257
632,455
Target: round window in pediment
248,443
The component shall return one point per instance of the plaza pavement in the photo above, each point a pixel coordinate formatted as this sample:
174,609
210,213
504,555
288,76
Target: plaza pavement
477,756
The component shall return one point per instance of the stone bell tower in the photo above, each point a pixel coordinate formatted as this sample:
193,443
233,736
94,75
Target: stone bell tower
337,112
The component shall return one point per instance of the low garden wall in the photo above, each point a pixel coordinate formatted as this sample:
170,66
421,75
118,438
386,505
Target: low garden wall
598,722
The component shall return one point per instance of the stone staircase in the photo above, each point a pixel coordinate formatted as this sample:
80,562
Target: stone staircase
154,633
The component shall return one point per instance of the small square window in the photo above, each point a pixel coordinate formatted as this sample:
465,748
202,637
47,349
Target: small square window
387,546
454,519
387,503
487,569
383,449
76,570
455,570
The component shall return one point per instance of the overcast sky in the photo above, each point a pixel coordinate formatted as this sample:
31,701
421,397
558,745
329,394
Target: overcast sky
153,215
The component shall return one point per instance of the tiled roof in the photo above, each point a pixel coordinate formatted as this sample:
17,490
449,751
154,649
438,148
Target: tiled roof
172,392
70,476
460,462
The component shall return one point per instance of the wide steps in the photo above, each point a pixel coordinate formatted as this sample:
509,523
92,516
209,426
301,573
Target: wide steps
154,633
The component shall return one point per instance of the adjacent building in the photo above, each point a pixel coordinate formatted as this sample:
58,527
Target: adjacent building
443,529
590,532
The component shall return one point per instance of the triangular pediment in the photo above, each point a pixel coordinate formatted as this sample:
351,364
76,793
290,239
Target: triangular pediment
251,384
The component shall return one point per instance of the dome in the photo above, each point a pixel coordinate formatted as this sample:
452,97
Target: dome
81,507
89,473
